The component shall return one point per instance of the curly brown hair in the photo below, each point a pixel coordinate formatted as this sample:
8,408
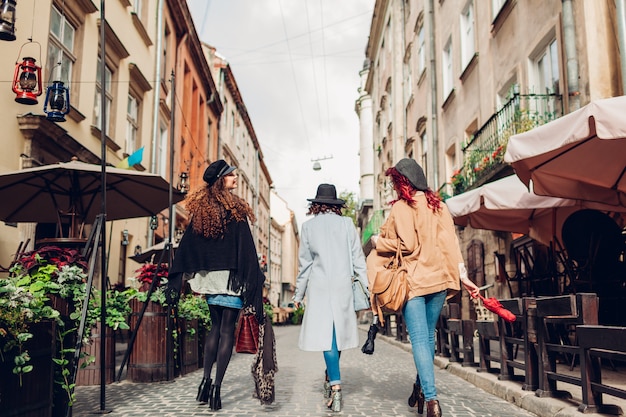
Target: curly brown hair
213,207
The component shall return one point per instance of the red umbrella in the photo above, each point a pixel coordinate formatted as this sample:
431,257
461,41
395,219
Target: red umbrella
493,305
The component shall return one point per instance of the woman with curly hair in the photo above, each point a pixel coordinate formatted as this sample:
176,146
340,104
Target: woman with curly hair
421,225
218,258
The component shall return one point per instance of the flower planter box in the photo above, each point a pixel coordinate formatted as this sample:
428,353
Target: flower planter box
90,375
148,359
189,346
34,398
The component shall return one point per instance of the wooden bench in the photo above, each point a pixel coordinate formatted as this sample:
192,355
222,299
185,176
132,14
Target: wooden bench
596,343
394,326
487,332
448,332
516,335
555,315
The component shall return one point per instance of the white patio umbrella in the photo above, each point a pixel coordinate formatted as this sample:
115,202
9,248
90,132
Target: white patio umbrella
581,155
507,205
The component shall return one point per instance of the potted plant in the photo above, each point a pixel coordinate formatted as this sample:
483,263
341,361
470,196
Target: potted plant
148,362
195,319
118,311
47,285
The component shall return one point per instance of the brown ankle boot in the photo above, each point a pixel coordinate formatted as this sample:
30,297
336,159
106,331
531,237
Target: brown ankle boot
433,409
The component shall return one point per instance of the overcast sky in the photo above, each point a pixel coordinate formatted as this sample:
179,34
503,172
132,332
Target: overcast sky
297,66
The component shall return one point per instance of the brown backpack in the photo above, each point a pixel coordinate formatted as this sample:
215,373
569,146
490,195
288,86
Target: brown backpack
390,289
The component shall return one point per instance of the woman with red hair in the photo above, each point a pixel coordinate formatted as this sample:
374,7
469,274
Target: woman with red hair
421,225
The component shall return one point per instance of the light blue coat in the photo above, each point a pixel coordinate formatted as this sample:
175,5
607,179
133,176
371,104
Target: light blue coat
327,244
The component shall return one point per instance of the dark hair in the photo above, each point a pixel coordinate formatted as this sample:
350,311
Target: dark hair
317,208
405,191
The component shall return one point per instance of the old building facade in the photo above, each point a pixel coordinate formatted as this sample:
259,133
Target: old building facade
450,81
163,95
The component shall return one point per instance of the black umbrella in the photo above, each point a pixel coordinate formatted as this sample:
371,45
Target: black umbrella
48,193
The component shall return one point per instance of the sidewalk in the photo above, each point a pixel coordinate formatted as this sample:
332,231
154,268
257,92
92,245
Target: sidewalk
373,385
512,391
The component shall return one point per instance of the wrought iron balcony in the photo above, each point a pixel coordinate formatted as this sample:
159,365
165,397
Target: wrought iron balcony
484,151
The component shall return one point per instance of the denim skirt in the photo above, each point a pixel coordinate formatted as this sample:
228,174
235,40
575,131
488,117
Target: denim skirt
231,301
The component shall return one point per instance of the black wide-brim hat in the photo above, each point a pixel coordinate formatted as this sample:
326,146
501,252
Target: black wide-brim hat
217,170
327,194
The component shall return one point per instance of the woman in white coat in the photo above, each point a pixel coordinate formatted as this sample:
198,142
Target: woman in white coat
330,255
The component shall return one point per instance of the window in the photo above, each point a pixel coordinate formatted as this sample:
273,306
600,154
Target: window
137,7
546,71
97,117
467,35
496,6
161,167
507,92
60,48
132,124
421,50
424,157
447,69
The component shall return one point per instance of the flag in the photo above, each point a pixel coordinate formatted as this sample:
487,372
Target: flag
131,160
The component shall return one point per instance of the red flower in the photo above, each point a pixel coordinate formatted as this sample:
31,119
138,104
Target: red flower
147,273
51,255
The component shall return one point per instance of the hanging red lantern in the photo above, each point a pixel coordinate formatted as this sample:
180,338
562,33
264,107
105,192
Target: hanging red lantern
27,81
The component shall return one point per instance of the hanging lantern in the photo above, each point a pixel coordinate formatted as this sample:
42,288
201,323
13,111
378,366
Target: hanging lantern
58,98
183,184
27,81
7,20
154,222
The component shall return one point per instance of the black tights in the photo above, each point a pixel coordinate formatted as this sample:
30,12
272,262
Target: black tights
219,341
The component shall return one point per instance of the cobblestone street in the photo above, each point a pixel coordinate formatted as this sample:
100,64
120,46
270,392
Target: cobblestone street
376,385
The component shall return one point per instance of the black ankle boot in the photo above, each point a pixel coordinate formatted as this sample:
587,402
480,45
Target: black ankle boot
215,401
203,390
417,398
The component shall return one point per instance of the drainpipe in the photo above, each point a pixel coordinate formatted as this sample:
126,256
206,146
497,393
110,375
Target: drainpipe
433,94
620,7
569,41
404,79
157,87
157,94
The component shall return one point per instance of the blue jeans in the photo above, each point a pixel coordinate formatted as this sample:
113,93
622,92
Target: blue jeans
421,315
331,357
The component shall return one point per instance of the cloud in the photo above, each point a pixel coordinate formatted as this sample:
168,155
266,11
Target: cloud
297,65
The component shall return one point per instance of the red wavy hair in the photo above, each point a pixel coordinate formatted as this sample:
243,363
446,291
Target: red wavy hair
406,191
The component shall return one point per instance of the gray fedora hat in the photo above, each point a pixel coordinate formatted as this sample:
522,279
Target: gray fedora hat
327,194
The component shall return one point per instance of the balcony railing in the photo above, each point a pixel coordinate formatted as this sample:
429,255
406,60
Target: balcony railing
484,152
373,226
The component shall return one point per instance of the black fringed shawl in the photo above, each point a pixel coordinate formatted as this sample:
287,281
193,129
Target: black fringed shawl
234,251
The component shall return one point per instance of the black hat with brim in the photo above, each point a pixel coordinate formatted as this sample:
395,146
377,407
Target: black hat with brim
327,194
217,170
